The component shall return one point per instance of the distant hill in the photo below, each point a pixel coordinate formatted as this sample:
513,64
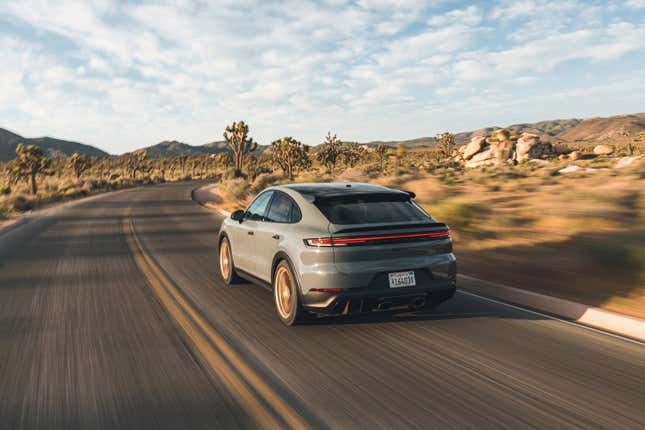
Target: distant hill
173,148
599,129
568,130
9,141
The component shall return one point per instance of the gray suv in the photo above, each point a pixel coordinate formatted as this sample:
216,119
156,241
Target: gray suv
338,249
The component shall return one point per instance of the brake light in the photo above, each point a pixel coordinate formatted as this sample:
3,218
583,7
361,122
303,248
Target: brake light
344,241
326,290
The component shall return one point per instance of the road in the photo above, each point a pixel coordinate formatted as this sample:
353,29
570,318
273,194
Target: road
112,315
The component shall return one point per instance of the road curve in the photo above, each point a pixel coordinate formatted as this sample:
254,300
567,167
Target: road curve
112,316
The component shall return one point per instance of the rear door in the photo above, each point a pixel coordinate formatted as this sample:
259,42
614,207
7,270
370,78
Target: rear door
245,247
283,212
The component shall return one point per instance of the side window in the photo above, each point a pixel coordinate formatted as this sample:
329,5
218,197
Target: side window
296,215
258,208
281,208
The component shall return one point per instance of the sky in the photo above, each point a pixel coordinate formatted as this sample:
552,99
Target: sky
121,75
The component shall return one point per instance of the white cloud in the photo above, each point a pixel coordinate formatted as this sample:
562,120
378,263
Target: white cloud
125,74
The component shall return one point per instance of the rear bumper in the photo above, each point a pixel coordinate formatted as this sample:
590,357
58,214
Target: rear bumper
359,300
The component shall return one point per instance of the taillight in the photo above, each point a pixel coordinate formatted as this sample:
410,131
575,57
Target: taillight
344,241
326,290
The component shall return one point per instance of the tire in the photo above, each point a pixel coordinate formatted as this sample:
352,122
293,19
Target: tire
226,265
287,297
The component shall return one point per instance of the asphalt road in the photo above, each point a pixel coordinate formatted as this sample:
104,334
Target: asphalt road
112,315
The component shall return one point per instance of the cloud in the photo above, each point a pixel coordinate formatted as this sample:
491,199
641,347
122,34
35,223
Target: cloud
127,74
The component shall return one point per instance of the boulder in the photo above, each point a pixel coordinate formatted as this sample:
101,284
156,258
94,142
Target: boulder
529,147
570,169
472,163
575,155
502,150
626,161
603,150
481,159
476,145
484,155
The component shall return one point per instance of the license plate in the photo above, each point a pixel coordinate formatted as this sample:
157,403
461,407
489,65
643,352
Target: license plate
402,279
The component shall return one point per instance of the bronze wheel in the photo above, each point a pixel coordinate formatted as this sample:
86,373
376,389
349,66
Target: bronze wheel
226,266
285,293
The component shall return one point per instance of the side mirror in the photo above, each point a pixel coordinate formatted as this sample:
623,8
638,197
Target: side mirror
238,215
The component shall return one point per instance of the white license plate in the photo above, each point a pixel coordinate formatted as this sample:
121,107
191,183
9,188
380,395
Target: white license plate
402,279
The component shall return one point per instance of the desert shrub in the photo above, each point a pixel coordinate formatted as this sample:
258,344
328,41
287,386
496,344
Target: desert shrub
22,204
236,189
352,174
263,181
467,218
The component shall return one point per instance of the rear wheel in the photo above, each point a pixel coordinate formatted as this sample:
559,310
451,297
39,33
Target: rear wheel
286,297
226,266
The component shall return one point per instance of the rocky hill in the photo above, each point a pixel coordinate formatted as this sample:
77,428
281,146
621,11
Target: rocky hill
174,148
566,130
9,141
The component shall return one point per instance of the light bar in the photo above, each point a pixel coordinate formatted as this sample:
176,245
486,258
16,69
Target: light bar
326,290
344,241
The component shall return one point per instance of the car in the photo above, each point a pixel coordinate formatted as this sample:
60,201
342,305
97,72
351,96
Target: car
339,249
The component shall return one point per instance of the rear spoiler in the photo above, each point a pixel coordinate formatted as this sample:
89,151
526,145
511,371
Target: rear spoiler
394,194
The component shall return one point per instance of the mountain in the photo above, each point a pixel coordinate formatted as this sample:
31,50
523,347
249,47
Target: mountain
567,130
599,129
173,148
9,141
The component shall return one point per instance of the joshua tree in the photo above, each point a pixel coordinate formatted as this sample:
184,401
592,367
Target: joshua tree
330,152
137,163
445,146
381,153
30,162
224,159
290,155
352,154
78,164
236,135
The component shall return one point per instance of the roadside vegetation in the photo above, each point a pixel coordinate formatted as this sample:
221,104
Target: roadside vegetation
566,219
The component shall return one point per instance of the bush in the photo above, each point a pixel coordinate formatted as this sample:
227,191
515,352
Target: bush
236,189
263,181
22,204
464,217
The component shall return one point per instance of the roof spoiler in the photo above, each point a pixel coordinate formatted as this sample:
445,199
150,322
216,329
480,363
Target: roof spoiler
340,195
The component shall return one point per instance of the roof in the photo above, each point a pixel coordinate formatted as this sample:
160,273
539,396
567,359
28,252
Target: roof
336,189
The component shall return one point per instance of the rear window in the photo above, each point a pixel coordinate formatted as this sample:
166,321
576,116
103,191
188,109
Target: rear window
371,210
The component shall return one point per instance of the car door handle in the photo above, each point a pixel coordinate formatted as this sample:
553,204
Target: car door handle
276,236
250,233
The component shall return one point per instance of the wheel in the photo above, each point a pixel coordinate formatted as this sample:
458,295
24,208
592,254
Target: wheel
226,266
285,294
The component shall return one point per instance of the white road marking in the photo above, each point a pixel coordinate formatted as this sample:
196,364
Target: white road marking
573,323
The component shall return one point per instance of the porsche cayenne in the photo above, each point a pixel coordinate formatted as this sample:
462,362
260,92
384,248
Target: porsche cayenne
338,249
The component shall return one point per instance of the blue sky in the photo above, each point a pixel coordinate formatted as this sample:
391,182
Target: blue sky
121,75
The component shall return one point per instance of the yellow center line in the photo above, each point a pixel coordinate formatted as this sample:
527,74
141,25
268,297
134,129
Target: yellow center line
219,357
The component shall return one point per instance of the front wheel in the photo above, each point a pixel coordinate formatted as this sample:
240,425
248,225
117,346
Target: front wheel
226,266
285,294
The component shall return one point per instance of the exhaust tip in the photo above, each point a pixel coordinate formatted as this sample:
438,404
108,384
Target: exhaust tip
383,306
418,303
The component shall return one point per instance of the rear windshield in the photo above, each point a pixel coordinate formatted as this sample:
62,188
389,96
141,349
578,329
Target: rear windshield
371,210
